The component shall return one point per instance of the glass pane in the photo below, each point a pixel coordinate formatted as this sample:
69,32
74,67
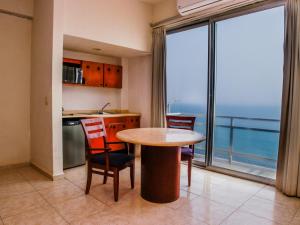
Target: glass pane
187,63
249,65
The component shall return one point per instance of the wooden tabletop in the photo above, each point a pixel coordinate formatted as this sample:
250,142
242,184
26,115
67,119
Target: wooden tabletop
160,136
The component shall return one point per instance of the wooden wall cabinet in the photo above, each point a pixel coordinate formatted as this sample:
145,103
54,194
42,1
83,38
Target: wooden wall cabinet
92,73
112,76
73,61
98,74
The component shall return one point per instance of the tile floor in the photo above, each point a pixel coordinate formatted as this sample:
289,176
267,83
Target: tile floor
27,197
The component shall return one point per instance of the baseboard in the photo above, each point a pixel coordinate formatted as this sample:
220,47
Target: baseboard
13,166
50,176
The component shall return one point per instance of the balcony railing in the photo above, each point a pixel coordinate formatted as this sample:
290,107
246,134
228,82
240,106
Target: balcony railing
233,123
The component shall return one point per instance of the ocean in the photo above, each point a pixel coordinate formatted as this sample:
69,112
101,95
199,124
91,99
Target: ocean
251,133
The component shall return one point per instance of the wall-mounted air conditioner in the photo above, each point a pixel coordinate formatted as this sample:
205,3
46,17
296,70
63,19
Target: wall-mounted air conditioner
186,7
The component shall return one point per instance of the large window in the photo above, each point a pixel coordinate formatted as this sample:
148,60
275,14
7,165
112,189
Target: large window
187,63
245,98
249,65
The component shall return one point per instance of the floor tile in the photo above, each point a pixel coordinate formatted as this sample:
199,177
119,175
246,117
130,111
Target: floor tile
269,210
212,199
139,211
21,203
198,188
105,192
227,196
79,208
240,185
206,210
30,173
36,217
296,219
7,190
183,199
163,216
10,176
45,183
271,193
243,218
105,216
57,194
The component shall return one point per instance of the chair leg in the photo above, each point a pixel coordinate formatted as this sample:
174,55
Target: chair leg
132,168
105,177
116,185
89,179
189,171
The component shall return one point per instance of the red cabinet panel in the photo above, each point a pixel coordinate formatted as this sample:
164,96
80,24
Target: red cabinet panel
115,124
92,73
112,76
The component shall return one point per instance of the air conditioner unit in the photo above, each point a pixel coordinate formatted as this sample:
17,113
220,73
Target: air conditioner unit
186,7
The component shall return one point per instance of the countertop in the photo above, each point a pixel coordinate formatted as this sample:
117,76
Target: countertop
93,114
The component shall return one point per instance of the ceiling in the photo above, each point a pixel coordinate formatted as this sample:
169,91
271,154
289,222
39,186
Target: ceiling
90,46
152,1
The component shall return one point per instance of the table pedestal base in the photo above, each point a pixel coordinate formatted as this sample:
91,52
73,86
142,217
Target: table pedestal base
160,173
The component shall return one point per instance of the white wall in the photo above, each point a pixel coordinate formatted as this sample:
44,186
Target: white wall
57,55
139,90
164,10
15,45
24,7
47,45
119,22
82,98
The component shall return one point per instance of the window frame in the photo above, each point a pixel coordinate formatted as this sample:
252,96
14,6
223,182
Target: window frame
211,23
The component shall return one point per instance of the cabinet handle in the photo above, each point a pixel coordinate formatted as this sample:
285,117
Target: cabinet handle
98,68
108,69
87,66
118,71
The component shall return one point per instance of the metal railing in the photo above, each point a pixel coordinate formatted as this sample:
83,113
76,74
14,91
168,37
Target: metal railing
231,125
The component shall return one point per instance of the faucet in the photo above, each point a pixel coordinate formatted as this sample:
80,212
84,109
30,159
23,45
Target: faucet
103,107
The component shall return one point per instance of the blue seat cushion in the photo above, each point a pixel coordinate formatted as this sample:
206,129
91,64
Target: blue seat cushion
186,151
115,159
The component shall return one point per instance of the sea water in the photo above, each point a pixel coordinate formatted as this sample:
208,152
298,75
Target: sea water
254,130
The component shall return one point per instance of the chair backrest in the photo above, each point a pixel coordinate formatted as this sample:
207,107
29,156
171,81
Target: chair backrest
95,134
181,122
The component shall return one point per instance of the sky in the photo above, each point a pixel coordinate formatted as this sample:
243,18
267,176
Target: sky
249,61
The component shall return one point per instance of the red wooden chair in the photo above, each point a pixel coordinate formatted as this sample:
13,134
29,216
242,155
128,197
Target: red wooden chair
101,158
187,153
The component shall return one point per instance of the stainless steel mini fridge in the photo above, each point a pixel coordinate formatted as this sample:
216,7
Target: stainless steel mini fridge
73,144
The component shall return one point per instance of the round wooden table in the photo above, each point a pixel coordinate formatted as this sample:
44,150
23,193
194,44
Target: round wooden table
160,159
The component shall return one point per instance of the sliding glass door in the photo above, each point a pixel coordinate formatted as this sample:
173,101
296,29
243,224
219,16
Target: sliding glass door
229,73
248,88
187,63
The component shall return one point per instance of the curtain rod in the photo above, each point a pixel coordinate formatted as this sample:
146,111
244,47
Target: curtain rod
16,14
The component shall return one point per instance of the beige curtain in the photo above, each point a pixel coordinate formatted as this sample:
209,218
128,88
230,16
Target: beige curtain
158,104
288,171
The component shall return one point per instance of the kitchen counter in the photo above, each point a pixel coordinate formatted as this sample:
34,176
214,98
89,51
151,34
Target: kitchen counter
93,114
83,115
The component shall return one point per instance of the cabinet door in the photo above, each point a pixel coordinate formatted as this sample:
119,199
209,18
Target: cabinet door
112,76
113,126
92,73
133,122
